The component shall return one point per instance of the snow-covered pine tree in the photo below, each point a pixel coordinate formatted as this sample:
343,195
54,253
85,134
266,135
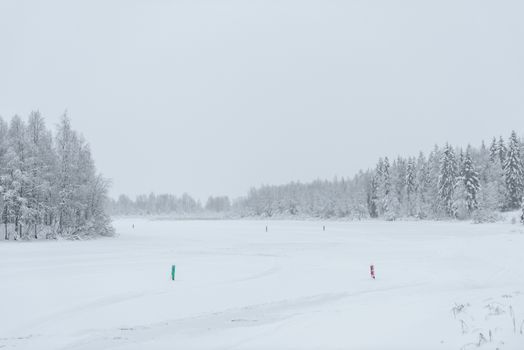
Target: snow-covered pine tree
493,150
491,195
502,150
471,182
482,159
433,198
411,186
379,180
513,171
372,197
386,187
522,211
399,176
447,179
460,163
424,187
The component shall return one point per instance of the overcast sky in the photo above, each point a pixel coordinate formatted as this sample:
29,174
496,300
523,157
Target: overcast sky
213,97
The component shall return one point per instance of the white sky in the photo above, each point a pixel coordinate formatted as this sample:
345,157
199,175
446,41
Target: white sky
212,97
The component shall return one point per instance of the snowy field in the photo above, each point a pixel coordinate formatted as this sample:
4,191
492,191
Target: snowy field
439,286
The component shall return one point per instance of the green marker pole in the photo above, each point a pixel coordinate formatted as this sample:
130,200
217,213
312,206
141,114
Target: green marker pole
173,268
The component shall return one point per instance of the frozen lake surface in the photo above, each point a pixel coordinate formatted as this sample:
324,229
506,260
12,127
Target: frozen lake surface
439,286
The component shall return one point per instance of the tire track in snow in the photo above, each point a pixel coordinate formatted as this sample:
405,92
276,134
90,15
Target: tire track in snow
98,303
247,316
262,274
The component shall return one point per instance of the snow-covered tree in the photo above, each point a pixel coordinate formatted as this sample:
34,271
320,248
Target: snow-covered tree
514,174
18,180
522,212
502,150
48,185
385,187
424,188
372,197
471,182
411,186
493,150
447,179
399,177
218,204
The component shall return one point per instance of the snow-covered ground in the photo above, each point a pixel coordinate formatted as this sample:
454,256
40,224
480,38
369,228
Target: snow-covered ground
439,286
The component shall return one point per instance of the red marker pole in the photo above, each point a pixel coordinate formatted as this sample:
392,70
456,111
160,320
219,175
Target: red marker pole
372,271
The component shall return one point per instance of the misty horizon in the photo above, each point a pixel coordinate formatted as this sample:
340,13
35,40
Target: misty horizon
213,98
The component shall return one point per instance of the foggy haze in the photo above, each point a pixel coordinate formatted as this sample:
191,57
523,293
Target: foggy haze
213,97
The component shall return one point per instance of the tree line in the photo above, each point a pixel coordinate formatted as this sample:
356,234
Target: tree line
450,182
165,204
49,186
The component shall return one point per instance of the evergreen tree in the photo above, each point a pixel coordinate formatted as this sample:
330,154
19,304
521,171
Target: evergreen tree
471,183
386,187
399,171
411,186
460,163
447,179
502,150
493,150
491,196
513,172
424,187
522,212
372,197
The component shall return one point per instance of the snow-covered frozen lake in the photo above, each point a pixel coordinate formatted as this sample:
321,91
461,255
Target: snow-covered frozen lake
439,286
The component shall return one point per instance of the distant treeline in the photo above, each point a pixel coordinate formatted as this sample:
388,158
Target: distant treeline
49,186
450,182
165,204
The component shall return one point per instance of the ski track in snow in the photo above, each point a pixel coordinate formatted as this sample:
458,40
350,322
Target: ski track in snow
99,303
246,316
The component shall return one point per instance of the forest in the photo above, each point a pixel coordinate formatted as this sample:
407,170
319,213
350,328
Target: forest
450,182
49,185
